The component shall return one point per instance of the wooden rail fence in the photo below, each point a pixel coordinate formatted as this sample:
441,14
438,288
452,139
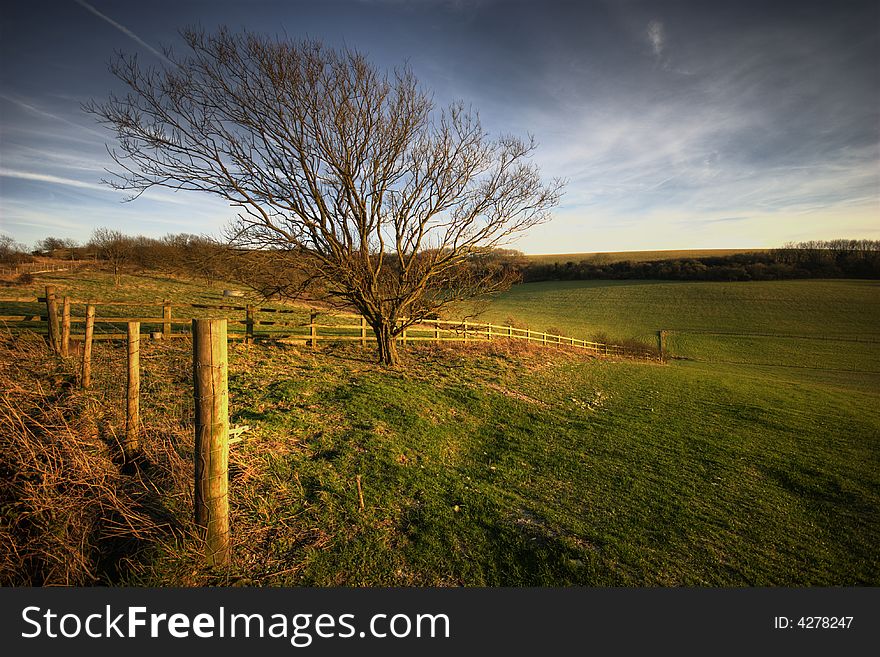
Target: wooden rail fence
261,323
210,371
42,267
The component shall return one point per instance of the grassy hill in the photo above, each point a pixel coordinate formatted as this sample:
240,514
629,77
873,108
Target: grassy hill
506,465
829,325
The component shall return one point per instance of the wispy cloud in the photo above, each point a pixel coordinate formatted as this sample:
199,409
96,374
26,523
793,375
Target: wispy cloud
719,220
123,29
48,178
656,37
160,196
47,159
33,109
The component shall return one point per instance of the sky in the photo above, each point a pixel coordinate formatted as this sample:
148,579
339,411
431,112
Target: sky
676,124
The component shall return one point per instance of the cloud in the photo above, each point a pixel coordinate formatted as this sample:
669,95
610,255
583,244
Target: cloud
48,115
56,180
46,158
160,196
123,29
724,220
656,37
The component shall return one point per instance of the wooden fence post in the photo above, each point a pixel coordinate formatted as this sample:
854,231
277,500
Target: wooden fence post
363,331
87,347
528,335
404,337
661,344
437,331
314,329
509,331
133,390
65,327
52,314
249,324
489,332
166,319
210,380
465,331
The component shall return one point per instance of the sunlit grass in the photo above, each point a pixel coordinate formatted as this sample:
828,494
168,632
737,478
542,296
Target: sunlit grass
511,465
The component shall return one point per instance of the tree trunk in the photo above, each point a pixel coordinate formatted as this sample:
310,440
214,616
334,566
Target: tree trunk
387,344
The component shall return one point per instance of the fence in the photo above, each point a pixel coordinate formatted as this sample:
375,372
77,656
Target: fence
41,267
209,374
250,323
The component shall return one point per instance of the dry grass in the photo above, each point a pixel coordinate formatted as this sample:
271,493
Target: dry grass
72,512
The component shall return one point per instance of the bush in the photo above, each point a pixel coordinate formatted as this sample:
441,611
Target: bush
510,321
601,337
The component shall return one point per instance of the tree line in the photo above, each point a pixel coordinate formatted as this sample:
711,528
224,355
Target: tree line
282,273
184,254
813,259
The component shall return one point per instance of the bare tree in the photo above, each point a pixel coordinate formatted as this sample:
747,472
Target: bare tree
350,174
57,247
114,247
12,252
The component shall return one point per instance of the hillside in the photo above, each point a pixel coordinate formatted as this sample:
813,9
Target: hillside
509,465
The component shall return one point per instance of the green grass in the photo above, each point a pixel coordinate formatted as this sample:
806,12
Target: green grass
493,469
808,324
755,461
147,291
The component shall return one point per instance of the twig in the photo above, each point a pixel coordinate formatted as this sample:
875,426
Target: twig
360,491
234,436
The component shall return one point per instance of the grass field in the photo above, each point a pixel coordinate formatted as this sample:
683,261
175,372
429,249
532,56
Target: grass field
829,325
506,465
609,257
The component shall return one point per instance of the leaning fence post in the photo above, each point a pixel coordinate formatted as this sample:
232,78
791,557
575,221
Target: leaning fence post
133,390
363,331
52,315
210,377
166,319
87,347
314,329
65,327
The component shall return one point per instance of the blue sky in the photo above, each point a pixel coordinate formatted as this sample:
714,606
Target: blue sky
677,124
